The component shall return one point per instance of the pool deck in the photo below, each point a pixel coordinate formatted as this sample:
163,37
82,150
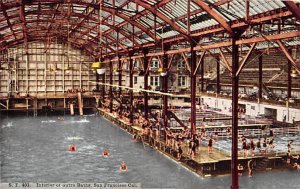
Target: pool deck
205,164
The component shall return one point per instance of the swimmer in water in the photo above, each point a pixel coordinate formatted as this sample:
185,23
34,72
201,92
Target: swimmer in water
123,166
60,118
72,148
105,153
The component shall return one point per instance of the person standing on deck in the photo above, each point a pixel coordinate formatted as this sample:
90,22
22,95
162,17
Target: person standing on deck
252,147
265,145
210,143
258,145
289,146
244,147
271,133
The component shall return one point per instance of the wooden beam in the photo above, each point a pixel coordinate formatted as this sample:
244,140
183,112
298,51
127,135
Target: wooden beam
186,61
215,15
199,62
23,20
227,65
293,7
288,56
246,58
170,62
164,18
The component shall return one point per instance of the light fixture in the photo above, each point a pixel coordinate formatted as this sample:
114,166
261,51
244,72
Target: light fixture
294,73
116,71
162,72
99,67
101,71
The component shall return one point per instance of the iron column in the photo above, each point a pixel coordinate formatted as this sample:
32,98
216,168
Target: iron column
218,76
131,91
260,81
146,75
193,89
235,92
110,87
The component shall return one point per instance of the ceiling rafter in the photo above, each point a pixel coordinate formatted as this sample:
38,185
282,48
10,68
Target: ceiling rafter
292,6
49,12
35,37
81,22
38,16
164,18
23,20
7,19
50,23
137,16
215,15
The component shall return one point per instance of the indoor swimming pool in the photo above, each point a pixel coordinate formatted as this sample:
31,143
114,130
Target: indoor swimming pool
35,149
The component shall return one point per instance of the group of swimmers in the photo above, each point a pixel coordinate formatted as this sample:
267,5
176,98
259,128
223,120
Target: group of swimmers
267,143
105,154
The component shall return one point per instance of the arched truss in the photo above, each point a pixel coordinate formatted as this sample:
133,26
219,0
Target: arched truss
82,25
206,18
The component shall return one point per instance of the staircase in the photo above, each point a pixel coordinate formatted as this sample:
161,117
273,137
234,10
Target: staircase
275,76
266,91
262,165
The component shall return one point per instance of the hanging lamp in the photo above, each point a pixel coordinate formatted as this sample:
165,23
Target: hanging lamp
100,66
294,73
68,68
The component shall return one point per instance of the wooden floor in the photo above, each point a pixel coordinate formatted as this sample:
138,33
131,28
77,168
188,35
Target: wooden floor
206,163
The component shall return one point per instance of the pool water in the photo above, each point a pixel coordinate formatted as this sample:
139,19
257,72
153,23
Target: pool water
35,149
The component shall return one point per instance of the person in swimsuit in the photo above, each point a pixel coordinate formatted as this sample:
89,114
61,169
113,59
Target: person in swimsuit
258,145
210,143
244,146
250,167
105,153
252,147
271,143
265,145
289,145
240,169
123,166
271,133
72,148
180,151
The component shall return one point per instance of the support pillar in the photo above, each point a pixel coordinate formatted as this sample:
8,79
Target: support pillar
289,87
110,87
260,81
235,91
193,89
120,84
202,75
97,81
165,90
103,88
131,91
146,75
218,76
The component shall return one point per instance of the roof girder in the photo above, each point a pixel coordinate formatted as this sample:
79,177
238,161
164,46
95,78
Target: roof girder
164,18
215,15
293,8
80,16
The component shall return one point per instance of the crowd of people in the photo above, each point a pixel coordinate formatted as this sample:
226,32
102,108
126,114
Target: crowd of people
182,141
152,131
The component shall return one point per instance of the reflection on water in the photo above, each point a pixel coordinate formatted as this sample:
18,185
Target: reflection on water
32,151
74,138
